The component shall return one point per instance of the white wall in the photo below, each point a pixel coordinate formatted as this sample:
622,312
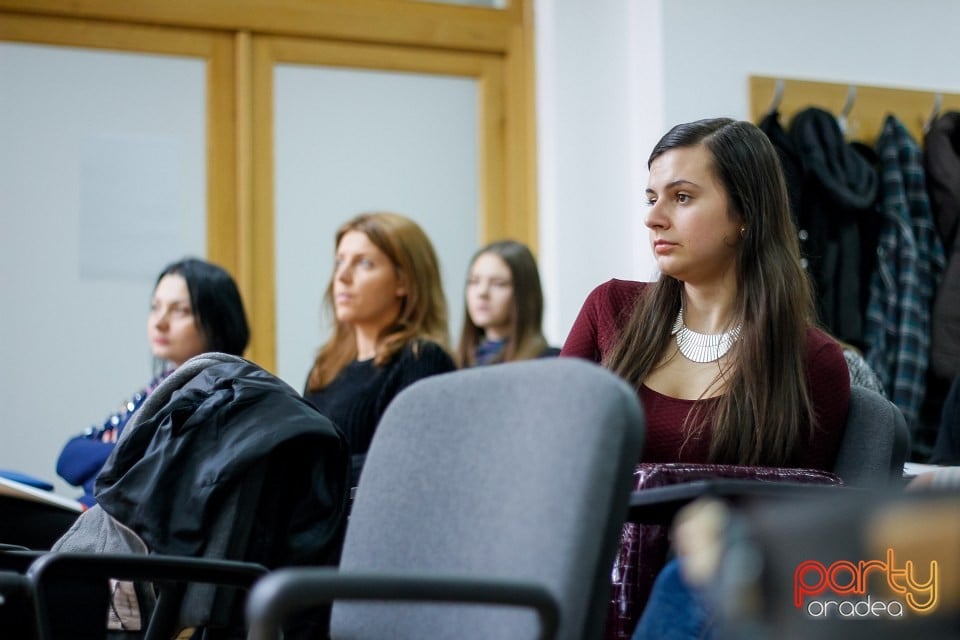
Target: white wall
599,106
615,74
102,183
712,47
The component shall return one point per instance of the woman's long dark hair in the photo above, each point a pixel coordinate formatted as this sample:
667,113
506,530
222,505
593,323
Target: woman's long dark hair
526,310
763,414
216,303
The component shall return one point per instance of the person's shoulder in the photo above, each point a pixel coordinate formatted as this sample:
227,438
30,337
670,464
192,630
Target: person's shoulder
425,349
419,346
420,357
824,352
818,339
617,292
615,286
549,352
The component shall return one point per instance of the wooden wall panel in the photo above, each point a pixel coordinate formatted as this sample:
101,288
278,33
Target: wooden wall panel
870,104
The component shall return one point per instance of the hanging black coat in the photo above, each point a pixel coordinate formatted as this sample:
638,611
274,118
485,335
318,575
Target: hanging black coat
790,162
839,189
941,161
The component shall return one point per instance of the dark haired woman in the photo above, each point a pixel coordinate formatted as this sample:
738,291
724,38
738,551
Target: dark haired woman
504,307
195,308
723,348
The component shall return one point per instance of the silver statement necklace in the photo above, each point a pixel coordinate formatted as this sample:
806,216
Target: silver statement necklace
702,347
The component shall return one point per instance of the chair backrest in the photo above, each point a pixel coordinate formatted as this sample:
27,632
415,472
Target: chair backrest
515,471
876,441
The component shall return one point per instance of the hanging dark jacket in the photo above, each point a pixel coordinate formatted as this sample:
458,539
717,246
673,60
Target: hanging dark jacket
232,463
946,448
790,162
839,188
941,160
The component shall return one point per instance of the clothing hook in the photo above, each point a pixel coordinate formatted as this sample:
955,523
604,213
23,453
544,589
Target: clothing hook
847,107
778,90
934,113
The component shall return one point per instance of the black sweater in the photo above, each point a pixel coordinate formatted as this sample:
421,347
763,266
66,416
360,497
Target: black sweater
356,399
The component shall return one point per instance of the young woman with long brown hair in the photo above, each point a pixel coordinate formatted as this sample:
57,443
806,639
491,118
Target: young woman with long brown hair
723,348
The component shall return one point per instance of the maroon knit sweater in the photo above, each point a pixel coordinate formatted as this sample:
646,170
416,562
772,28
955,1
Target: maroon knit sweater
604,315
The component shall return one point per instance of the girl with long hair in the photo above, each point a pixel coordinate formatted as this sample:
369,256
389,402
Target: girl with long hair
503,307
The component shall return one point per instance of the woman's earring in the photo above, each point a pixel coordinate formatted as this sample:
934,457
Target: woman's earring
743,231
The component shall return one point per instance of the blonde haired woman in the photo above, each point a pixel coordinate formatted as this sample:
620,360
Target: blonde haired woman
390,326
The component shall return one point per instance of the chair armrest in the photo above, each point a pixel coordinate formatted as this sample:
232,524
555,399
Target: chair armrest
151,568
658,505
284,592
18,559
52,569
662,488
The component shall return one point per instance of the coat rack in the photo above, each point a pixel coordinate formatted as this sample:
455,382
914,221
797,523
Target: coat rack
861,108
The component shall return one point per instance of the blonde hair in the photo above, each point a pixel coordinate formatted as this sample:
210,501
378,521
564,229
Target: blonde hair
423,310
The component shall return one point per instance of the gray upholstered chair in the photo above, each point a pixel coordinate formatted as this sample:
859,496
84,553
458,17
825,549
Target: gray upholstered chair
500,484
876,442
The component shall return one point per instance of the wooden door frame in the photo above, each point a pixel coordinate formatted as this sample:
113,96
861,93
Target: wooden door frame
268,52
408,22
